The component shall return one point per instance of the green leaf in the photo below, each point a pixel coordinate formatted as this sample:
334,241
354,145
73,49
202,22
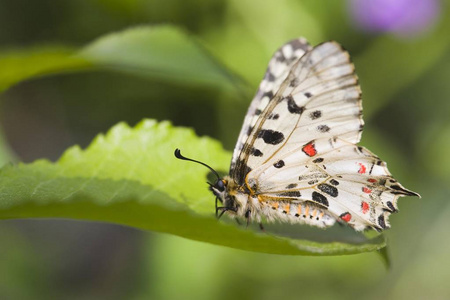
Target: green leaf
19,65
156,52
130,176
161,52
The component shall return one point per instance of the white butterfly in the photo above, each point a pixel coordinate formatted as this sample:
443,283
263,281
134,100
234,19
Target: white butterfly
296,159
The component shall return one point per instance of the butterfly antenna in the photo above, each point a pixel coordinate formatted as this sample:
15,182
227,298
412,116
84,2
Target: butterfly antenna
179,156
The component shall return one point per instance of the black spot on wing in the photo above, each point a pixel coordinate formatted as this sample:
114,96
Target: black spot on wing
308,95
382,222
396,187
319,198
292,106
297,44
291,186
391,206
328,189
401,191
371,168
280,56
268,94
269,76
334,182
258,112
279,164
256,152
323,128
270,136
377,228
315,114
294,82
274,116
318,160
295,194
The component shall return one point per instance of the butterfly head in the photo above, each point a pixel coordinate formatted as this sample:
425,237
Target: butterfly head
225,191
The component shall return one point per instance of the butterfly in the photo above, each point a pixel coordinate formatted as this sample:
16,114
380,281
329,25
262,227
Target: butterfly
297,159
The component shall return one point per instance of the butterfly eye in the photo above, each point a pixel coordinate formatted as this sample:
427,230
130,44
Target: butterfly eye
220,185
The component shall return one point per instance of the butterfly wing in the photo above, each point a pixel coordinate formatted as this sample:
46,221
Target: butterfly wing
305,137
349,181
277,71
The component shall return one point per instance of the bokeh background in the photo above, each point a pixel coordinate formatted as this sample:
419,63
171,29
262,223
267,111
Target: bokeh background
401,52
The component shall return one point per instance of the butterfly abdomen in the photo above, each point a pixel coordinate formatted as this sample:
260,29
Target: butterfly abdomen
296,212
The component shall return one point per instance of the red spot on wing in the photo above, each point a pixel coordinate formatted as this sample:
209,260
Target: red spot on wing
372,180
309,149
365,207
366,190
346,217
362,168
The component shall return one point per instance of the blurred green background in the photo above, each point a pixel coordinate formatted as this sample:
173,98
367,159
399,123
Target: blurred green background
404,75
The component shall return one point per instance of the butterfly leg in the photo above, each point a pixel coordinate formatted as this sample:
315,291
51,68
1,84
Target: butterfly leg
261,227
223,210
217,208
247,216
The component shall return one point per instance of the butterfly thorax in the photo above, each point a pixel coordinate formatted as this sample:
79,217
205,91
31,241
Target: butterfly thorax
236,199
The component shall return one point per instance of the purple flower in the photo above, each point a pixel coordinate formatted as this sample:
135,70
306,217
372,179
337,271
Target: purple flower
402,17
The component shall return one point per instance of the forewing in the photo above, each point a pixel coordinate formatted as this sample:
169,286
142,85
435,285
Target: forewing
277,71
319,99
